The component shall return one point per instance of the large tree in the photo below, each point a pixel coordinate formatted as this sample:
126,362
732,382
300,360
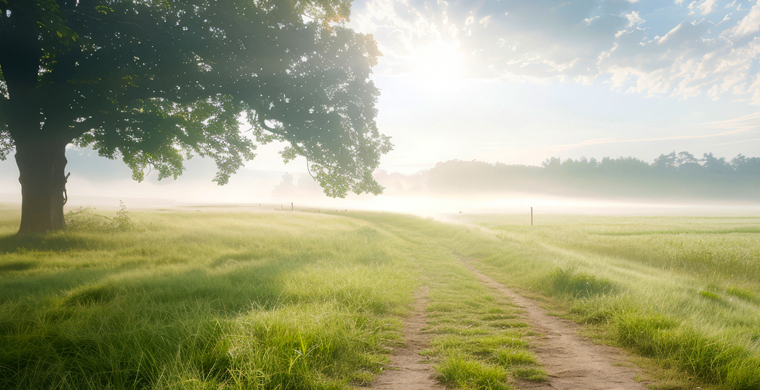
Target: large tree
156,81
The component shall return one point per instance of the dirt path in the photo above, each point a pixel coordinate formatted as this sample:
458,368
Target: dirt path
405,372
571,361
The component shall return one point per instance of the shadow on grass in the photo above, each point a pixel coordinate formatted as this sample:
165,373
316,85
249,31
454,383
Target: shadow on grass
17,266
122,331
47,242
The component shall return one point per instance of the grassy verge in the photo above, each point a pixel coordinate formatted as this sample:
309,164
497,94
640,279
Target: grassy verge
681,291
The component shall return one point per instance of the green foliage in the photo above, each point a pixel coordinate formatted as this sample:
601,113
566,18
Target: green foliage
626,178
86,218
6,142
156,82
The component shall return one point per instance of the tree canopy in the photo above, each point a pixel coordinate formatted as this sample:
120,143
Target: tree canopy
156,81
673,176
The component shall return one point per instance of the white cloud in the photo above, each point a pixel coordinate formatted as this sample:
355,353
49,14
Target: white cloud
605,40
704,6
749,24
634,19
724,20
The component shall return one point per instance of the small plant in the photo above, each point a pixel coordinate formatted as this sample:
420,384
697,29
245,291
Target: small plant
122,221
85,218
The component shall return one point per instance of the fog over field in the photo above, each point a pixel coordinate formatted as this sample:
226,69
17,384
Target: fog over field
514,84
447,188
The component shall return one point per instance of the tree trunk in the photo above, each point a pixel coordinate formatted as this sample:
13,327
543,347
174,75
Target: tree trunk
41,167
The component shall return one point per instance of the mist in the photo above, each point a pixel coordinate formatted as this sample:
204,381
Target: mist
630,187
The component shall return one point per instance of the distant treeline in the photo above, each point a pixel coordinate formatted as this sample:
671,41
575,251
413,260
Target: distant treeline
670,176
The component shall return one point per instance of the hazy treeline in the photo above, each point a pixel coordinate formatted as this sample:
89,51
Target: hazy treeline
675,175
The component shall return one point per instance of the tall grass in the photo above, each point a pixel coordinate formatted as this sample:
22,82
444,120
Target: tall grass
201,301
679,290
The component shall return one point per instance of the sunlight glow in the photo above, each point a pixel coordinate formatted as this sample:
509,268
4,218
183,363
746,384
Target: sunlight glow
437,62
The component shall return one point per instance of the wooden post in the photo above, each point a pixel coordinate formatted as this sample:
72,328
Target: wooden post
531,216
291,206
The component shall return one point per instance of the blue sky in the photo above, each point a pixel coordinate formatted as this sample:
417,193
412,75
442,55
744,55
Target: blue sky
521,81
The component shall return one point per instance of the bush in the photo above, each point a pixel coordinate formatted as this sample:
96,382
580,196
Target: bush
85,218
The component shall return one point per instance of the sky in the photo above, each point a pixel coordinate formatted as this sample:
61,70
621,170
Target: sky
521,81
518,82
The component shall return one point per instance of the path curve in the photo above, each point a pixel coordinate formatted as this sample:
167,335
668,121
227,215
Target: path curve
405,371
572,361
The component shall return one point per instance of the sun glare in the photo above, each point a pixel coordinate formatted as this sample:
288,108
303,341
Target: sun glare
437,62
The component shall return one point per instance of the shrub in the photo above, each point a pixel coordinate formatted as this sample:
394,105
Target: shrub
85,218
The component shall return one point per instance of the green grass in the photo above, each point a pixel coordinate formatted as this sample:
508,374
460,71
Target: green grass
201,300
679,290
208,300
576,284
196,300
479,340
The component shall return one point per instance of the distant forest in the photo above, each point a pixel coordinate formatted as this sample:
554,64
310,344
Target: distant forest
671,176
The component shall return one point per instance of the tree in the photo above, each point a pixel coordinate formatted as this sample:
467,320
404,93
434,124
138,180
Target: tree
665,162
746,165
717,165
156,81
553,163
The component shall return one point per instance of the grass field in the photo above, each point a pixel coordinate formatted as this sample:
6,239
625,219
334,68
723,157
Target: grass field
243,300
682,291
281,300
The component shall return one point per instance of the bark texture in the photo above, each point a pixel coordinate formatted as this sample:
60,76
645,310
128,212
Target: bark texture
41,167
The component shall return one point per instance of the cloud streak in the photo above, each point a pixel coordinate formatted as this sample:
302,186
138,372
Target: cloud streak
602,141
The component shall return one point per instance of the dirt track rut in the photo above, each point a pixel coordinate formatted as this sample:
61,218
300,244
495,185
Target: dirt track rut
572,361
406,370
